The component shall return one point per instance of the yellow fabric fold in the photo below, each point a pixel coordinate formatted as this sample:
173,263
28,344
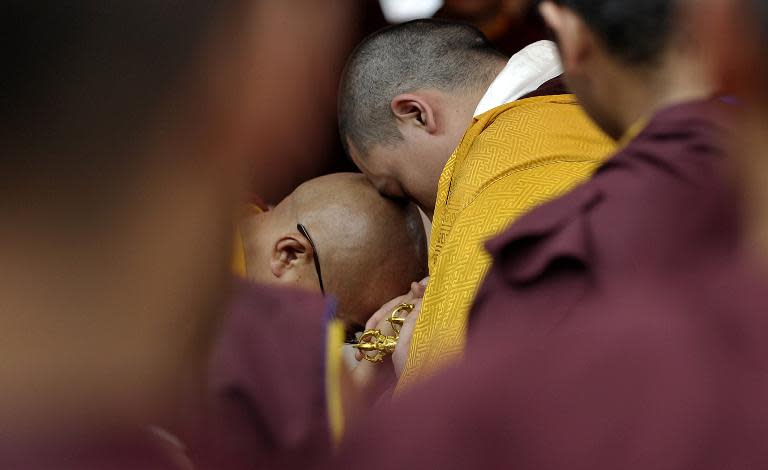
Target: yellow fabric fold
238,247
511,159
333,379
238,256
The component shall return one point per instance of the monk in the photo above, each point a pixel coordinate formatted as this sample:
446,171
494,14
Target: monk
662,192
408,96
276,371
126,134
336,234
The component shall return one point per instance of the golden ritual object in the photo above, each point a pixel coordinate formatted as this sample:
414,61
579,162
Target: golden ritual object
397,322
375,345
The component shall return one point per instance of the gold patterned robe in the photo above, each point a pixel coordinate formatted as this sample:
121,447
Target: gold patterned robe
511,159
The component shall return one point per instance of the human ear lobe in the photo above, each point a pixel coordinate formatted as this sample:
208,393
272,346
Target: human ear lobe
411,109
288,253
574,39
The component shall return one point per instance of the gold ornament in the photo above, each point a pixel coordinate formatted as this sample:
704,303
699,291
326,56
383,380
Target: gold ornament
375,345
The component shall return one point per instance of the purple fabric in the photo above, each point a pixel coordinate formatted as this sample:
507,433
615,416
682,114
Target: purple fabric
555,86
649,210
267,381
73,449
265,406
669,373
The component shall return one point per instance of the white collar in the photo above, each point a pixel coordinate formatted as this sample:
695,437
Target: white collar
525,72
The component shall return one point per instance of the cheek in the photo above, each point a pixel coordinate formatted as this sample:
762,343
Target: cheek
408,181
307,282
419,182
419,190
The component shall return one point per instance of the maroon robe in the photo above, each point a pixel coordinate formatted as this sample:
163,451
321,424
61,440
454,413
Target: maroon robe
667,373
266,393
640,215
77,449
267,382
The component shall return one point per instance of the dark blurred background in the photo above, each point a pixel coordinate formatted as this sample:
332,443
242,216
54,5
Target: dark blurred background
510,24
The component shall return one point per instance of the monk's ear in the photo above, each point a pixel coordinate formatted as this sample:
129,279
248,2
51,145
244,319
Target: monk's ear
412,110
575,40
290,254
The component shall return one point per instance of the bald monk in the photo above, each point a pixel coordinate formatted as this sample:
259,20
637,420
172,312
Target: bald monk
430,112
353,243
273,359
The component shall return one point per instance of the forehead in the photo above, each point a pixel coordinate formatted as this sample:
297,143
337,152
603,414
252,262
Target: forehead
378,164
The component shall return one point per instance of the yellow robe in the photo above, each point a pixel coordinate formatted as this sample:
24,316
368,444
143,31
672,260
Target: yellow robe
238,253
510,160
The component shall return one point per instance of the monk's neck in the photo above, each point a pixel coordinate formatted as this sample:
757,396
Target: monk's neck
642,92
472,98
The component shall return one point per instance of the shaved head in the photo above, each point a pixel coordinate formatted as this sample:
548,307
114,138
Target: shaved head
369,248
637,31
421,54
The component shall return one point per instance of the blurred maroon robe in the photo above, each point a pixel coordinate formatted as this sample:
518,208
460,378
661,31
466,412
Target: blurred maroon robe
266,404
267,382
111,445
653,208
668,373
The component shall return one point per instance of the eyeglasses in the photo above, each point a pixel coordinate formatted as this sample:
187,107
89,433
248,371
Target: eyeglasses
351,334
303,230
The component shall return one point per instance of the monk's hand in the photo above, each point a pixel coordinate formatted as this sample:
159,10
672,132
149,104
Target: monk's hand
379,319
365,374
366,371
418,288
400,356
416,292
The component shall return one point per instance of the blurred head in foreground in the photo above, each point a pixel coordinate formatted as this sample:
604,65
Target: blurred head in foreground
625,59
369,248
124,136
